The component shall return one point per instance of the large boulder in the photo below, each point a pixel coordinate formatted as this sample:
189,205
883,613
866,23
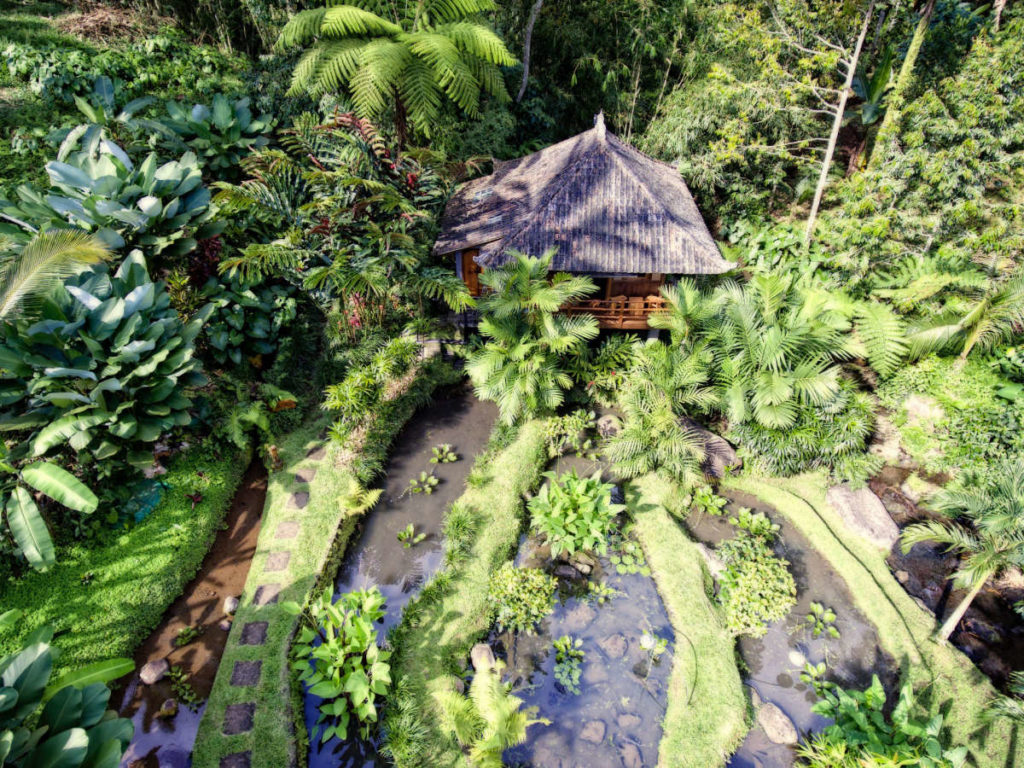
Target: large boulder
482,657
777,727
864,514
718,454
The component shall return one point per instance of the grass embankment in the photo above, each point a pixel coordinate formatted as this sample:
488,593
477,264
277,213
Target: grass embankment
108,598
441,625
948,680
323,535
706,715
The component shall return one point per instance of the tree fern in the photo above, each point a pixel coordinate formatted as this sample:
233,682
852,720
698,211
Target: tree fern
411,57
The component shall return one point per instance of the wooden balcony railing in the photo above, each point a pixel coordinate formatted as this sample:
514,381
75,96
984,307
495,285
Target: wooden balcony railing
625,313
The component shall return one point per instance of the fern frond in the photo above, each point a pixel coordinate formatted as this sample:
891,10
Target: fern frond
883,334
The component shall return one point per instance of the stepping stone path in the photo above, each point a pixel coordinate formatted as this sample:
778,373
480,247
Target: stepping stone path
238,718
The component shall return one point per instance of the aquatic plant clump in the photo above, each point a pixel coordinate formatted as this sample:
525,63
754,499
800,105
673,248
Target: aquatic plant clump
757,588
520,598
574,513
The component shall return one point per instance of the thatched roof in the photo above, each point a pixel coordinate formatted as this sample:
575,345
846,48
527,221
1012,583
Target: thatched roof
609,209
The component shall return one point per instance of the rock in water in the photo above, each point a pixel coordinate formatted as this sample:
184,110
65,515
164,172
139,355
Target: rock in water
777,727
482,656
609,425
614,646
153,671
168,709
593,732
631,757
579,618
864,514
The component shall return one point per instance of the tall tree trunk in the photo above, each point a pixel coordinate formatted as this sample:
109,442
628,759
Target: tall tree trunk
837,124
954,618
890,123
997,11
527,42
401,123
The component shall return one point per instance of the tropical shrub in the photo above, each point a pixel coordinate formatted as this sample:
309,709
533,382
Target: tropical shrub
163,209
756,587
833,436
521,364
63,722
221,134
568,433
337,657
601,371
664,383
863,735
247,319
520,598
486,721
410,58
341,213
573,513
103,374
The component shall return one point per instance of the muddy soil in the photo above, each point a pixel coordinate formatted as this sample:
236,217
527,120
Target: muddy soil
167,743
378,558
774,662
992,633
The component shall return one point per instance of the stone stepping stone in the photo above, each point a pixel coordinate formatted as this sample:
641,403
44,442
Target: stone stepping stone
277,561
254,633
318,453
236,760
298,500
287,529
246,673
238,718
266,594
305,475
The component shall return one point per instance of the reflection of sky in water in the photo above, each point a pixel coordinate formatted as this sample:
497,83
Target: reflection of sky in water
171,739
377,558
617,706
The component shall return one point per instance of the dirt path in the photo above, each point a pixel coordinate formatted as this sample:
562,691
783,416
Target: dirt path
168,743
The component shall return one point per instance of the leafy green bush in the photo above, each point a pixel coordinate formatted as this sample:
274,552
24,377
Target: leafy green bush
220,134
568,433
346,667
520,598
163,209
862,734
833,436
247,319
104,373
574,513
64,723
756,586
168,64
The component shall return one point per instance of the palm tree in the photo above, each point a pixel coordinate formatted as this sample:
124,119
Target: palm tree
28,272
774,344
489,720
522,366
663,384
410,56
687,309
993,543
996,316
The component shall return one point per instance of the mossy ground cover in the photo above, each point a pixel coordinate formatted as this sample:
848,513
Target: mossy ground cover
108,598
707,707
278,736
947,679
440,626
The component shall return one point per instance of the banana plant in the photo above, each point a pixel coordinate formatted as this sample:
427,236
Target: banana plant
62,723
220,134
95,186
104,373
25,522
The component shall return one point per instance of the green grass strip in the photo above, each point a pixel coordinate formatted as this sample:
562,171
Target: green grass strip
324,534
441,625
706,715
108,598
953,684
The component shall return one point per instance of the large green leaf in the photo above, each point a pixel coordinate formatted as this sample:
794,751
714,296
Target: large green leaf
28,529
62,429
60,485
27,672
100,672
63,711
64,750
